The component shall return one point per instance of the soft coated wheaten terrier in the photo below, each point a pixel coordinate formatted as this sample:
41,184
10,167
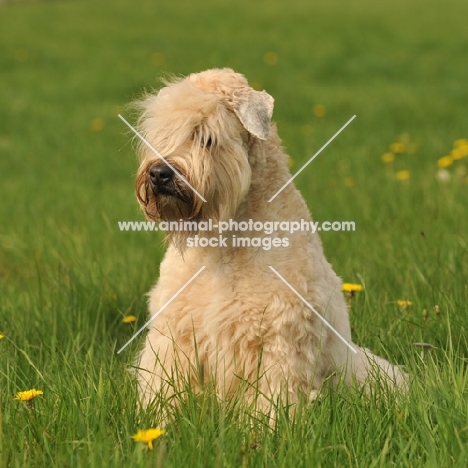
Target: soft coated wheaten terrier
237,321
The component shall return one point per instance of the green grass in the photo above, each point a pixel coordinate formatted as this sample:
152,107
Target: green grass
68,276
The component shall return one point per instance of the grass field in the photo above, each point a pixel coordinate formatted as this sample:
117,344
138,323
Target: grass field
68,276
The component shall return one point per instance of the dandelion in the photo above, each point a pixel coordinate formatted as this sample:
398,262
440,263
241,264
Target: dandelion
129,319
270,58
147,436
445,161
460,142
397,147
319,110
2,336
402,175
28,395
352,288
404,303
97,124
387,158
459,152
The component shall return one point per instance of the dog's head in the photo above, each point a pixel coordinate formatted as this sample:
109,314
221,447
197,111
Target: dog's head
203,127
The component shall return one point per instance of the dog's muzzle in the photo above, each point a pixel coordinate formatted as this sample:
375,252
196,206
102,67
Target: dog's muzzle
162,178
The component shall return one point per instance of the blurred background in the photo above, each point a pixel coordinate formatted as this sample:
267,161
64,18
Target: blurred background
67,164
72,286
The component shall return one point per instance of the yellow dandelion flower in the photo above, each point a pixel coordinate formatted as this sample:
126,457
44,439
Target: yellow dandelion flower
445,161
319,110
2,336
459,152
387,158
403,175
460,142
28,395
97,124
148,435
270,58
455,154
352,287
464,151
404,303
157,58
129,319
397,147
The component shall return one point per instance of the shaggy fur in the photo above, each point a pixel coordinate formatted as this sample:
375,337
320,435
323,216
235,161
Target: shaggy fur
237,321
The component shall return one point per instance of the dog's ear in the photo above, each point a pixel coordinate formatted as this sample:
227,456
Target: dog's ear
254,110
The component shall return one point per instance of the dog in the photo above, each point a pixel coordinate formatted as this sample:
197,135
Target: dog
211,154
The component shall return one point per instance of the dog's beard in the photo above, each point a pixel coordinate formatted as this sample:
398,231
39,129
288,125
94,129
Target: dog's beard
169,203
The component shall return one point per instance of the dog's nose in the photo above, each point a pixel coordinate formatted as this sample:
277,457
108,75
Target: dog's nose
161,174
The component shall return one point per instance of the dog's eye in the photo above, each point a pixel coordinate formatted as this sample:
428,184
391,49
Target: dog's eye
206,142
202,138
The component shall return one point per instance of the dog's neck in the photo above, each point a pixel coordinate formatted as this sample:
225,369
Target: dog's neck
269,163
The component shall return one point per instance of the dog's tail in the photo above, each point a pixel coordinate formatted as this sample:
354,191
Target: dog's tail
369,368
